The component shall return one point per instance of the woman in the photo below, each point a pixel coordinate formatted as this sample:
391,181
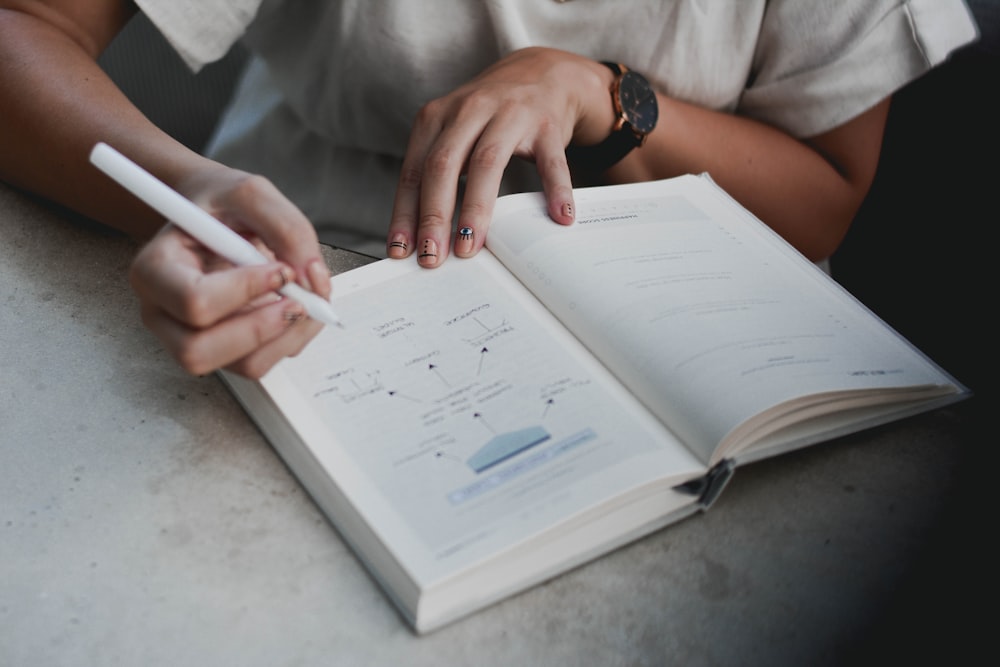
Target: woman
782,102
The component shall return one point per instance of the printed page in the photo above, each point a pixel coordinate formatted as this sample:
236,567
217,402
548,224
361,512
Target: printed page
459,417
698,307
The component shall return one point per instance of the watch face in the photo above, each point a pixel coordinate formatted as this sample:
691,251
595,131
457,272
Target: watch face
638,102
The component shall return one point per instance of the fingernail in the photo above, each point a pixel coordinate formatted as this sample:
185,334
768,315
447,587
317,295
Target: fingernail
398,246
567,210
319,276
428,252
464,242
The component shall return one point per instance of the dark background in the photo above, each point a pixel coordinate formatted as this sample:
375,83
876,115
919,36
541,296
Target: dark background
921,254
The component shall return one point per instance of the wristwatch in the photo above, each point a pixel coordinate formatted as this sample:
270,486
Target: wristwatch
636,112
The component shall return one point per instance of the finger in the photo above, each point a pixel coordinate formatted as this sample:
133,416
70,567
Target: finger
256,204
265,332
553,170
442,170
289,344
169,278
487,162
317,276
403,224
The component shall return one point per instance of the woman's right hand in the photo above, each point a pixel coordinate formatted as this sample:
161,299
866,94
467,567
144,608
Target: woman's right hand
209,314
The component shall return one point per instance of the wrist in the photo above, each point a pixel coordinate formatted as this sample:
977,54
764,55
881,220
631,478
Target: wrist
634,110
597,117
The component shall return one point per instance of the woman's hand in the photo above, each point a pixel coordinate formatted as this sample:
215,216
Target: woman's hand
209,314
529,105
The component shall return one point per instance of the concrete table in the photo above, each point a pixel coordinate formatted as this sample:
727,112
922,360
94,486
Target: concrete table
145,521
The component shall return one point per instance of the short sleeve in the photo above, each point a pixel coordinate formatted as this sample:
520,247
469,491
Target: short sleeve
200,31
819,65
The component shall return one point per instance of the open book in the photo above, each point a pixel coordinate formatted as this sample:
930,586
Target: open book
480,427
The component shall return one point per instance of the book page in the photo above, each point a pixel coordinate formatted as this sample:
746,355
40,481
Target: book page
697,307
458,416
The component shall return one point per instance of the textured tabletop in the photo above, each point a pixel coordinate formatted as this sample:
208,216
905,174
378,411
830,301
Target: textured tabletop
144,521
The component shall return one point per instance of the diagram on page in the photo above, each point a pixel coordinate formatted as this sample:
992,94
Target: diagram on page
467,404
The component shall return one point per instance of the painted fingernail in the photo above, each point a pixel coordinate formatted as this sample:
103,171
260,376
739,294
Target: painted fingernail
397,246
428,252
464,242
567,210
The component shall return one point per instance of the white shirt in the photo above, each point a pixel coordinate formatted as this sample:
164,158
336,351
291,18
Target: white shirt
326,105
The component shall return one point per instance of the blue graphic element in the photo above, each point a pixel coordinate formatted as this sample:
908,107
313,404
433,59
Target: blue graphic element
505,446
515,470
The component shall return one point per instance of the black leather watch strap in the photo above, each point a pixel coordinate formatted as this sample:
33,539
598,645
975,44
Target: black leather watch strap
595,159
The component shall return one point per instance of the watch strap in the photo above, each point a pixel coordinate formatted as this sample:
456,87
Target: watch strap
597,158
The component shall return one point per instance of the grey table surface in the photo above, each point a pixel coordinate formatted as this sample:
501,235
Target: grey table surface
145,521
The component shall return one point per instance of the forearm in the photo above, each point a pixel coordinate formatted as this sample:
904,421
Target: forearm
808,192
57,103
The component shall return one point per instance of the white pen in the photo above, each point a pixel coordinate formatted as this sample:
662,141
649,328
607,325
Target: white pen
194,220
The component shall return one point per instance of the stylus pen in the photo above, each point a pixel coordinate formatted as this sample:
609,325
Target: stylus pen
184,213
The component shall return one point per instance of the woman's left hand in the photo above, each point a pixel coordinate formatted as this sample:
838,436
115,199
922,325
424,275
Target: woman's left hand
530,105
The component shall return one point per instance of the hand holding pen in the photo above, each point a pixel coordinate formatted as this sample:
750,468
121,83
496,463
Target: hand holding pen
208,317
